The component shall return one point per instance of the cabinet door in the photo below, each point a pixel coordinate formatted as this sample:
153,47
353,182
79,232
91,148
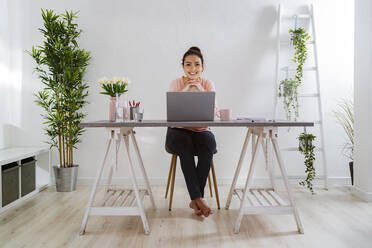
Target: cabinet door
10,184
27,177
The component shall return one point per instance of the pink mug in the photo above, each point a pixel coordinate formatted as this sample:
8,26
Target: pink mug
224,114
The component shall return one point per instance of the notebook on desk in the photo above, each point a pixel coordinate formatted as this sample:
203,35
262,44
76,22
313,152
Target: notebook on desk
250,118
190,106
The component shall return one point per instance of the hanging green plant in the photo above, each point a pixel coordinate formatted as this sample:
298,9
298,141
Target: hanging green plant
288,88
306,147
299,37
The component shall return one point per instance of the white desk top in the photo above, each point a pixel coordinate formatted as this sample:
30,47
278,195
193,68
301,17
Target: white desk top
164,123
8,155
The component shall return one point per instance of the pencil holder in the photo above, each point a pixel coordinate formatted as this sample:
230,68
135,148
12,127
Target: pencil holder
133,110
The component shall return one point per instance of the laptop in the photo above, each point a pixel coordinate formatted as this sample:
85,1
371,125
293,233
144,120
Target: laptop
190,106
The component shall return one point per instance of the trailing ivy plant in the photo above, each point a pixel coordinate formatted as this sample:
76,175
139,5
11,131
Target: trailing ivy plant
299,37
61,65
306,147
288,88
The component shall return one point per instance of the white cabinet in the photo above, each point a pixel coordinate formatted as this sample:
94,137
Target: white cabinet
13,162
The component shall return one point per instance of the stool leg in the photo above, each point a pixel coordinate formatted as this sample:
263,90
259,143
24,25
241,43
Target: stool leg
173,178
210,185
215,186
169,176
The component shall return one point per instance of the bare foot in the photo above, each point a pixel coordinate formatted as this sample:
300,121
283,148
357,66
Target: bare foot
205,209
194,206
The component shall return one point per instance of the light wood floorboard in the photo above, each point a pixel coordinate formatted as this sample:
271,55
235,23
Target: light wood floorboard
331,218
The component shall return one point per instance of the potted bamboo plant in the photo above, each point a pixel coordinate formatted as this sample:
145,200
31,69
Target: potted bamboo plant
345,117
61,65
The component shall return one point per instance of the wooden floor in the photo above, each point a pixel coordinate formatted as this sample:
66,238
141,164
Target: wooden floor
331,218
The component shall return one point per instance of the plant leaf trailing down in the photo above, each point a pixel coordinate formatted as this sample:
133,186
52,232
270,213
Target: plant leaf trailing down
288,88
306,147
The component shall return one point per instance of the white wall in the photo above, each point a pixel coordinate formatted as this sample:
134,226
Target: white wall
363,96
145,40
11,57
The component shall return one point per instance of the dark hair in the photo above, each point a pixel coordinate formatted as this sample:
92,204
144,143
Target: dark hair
193,51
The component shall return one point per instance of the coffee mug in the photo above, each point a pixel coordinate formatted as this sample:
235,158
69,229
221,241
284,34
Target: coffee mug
224,114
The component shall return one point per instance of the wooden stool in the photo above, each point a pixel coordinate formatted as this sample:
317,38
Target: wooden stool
172,175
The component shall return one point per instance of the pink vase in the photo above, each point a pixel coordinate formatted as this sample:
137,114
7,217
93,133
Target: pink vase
112,109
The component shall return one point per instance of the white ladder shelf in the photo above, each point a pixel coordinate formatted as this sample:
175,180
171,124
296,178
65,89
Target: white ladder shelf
315,68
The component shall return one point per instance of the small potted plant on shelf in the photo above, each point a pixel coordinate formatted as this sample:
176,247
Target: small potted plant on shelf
114,88
61,65
345,117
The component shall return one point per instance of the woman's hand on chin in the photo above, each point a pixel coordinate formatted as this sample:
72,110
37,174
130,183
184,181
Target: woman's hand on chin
193,81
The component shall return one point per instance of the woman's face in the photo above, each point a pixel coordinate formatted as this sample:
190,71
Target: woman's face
192,66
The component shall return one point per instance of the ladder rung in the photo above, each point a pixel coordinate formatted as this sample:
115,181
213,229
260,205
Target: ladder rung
286,42
308,68
307,95
302,16
295,149
315,122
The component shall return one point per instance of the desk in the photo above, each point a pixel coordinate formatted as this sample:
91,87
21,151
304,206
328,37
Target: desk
252,201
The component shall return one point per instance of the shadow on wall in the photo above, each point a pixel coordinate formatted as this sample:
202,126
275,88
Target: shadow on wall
258,42
262,44
6,135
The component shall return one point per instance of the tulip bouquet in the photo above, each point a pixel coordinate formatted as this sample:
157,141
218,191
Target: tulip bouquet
115,86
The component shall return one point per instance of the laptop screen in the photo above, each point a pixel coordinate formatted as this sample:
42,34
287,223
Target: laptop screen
190,106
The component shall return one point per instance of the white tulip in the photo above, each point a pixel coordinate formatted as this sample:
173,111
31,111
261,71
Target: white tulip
126,80
101,80
116,80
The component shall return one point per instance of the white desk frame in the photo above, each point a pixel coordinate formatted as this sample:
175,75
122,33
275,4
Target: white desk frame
253,201
262,201
120,201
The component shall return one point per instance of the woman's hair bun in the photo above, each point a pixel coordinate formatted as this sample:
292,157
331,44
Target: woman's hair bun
193,51
194,48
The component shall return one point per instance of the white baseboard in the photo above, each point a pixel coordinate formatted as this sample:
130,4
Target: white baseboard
257,181
364,195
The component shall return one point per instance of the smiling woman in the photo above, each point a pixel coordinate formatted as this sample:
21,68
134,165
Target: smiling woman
191,141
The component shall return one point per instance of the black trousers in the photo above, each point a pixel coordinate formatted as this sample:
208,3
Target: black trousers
187,144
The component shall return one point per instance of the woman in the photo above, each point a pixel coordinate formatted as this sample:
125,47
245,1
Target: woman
188,142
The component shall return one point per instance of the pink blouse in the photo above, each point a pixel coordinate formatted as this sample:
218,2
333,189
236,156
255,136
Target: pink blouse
179,84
